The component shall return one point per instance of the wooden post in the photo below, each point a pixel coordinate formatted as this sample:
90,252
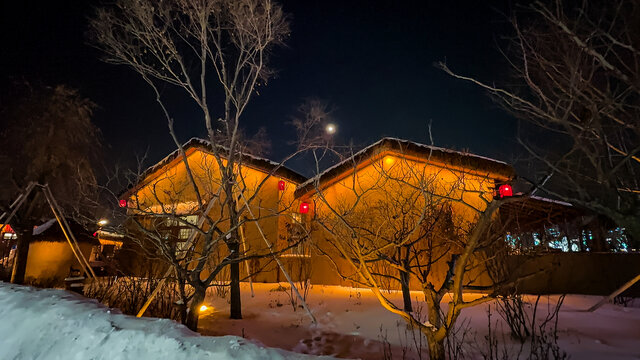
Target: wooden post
66,230
624,287
246,262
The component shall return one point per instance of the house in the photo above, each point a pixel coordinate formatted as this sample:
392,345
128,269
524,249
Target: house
50,257
166,188
285,202
377,202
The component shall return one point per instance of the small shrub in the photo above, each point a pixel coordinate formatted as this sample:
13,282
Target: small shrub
130,293
542,342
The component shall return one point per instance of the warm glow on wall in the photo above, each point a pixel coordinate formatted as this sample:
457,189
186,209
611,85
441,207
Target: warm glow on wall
389,160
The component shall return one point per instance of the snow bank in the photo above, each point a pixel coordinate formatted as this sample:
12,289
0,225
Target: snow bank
55,324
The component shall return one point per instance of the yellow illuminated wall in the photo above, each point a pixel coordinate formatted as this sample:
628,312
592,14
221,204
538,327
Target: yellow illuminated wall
368,183
48,263
384,178
169,188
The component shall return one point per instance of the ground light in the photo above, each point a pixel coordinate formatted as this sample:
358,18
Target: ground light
203,308
103,222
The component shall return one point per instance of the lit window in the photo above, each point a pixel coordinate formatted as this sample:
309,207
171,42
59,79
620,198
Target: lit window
296,237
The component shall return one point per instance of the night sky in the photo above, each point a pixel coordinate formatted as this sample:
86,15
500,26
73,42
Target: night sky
371,60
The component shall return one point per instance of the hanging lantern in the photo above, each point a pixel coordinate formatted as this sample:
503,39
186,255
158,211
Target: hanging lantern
281,185
304,208
122,203
505,191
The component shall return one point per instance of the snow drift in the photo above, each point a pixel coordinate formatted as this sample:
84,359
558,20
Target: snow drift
55,324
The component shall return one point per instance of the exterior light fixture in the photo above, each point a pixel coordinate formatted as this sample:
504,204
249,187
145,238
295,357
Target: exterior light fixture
304,208
281,185
103,222
203,308
505,191
122,203
389,160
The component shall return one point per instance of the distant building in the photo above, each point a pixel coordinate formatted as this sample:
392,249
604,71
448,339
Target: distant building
50,258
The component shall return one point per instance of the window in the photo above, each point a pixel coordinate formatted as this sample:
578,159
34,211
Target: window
296,236
179,229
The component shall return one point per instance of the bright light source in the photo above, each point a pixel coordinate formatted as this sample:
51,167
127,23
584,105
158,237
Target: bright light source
330,129
505,191
304,208
203,308
388,160
103,222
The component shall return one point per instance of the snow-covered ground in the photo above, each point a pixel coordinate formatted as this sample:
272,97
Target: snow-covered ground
55,324
351,324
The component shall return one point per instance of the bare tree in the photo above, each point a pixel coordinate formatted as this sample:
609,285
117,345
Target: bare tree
190,45
163,221
49,138
400,220
575,76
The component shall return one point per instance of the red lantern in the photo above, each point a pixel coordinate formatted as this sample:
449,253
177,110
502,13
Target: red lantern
123,203
281,185
505,191
304,208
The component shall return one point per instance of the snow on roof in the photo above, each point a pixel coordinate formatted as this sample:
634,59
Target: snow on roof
399,141
66,326
202,142
44,227
441,149
550,200
264,163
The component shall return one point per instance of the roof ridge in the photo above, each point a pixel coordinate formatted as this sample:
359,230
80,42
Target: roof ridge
395,139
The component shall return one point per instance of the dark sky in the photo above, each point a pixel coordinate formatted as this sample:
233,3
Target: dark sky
371,59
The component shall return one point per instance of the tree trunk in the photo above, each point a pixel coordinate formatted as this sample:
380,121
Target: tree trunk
436,348
632,228
599,236
22,253
183,307
236,305
194,308
406,291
